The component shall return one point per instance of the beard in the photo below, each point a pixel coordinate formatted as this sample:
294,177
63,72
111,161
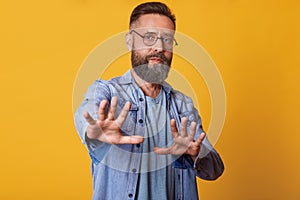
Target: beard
151,73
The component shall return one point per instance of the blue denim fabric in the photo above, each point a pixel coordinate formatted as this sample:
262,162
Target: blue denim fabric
115,168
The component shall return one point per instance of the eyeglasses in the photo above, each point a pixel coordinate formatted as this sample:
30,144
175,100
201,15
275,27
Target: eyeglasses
150,38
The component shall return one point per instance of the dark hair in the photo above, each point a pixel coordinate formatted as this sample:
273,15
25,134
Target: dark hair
152,8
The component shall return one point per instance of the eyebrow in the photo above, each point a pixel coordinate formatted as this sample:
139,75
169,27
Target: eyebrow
151,32
168,34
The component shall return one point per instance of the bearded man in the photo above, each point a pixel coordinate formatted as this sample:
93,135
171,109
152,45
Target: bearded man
145,139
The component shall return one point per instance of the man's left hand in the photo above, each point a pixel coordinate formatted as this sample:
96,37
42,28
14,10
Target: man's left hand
183,143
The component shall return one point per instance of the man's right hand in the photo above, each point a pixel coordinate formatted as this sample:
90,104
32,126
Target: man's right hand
107,129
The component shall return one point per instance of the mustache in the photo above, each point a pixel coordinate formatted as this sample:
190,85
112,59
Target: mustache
158,55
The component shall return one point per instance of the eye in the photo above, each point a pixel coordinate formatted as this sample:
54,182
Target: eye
150,37
168,40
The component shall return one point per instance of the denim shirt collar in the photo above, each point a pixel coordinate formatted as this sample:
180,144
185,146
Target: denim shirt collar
128,79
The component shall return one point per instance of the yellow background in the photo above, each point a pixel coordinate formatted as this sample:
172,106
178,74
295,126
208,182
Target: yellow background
255,45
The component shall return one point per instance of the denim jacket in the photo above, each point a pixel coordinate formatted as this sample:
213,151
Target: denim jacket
115,167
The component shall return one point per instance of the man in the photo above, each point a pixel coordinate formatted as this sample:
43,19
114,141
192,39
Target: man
145,139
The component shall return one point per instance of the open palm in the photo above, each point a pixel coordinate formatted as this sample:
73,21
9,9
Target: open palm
106,128
183,143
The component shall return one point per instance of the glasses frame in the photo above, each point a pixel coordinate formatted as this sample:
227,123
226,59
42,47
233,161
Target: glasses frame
161,38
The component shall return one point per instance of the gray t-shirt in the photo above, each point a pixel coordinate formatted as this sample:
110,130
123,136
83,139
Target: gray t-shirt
156,179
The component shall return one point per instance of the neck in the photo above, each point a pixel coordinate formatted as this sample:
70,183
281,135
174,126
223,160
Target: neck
149,89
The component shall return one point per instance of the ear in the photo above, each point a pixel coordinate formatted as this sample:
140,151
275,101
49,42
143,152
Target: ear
129,41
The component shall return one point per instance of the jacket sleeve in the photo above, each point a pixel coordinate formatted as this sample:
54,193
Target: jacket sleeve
97,92
208,164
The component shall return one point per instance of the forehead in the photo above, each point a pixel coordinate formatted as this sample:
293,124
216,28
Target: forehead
154,21
155,30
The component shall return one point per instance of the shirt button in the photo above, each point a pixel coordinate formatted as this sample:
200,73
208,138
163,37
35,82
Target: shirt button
133,170
141,99
141,121
130,195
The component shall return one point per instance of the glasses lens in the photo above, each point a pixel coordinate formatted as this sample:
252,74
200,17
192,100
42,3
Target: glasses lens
168,42
150,38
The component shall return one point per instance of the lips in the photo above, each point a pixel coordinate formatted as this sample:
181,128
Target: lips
155,60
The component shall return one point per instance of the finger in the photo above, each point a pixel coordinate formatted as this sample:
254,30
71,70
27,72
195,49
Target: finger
88,118
192,131
200,139
102,110
162,151
112,109
174,128
134,139
183,124
121,118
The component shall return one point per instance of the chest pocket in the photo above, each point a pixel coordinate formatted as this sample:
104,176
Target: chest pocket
129,124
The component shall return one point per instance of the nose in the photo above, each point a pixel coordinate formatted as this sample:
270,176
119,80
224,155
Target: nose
158,46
